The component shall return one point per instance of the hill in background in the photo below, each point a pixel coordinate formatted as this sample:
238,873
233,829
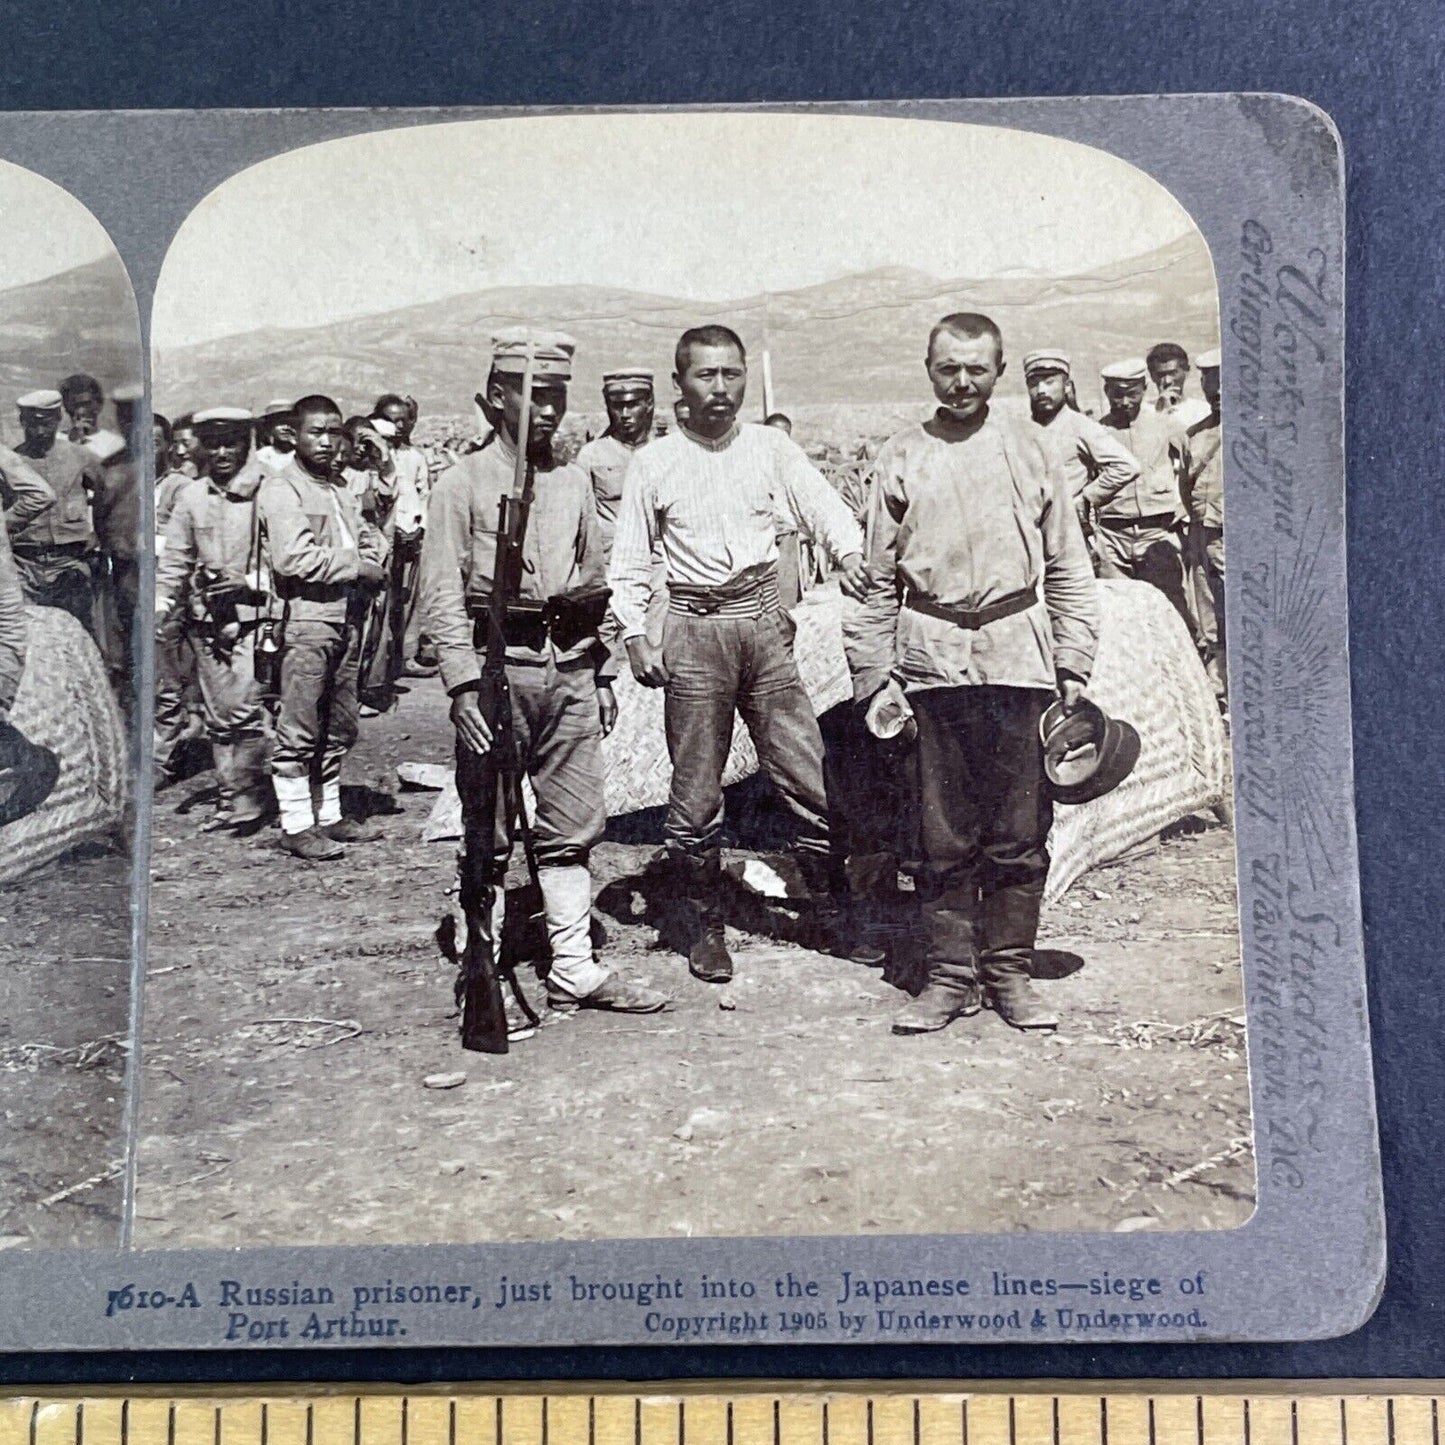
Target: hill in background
854,341
83,319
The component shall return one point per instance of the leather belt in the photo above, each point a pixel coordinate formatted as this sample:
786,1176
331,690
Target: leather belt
973,619
1163,521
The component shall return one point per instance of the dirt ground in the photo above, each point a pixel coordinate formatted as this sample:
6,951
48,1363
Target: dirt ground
64,1020
294,1011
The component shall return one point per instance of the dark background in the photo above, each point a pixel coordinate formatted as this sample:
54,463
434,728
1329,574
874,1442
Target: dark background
1373,66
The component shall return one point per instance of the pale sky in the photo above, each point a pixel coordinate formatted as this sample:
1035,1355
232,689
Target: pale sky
699,206
43,229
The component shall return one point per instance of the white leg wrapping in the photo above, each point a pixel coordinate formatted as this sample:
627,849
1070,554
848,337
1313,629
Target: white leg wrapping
293,797
567,898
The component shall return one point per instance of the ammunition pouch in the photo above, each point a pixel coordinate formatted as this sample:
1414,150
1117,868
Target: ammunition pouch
523,626
573,617
566,620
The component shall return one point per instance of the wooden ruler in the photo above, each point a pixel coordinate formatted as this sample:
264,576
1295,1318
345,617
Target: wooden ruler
1282,1412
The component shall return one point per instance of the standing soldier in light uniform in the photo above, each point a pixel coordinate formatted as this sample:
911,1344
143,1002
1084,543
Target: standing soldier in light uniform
1204,497
709,495
981,608
627,393
412,480
325,558
53,548
1140,528
561,688
1096,465
210,597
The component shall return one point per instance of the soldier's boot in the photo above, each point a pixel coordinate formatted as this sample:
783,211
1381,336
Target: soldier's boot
952,990
299,834
708,958
1009,927
249,802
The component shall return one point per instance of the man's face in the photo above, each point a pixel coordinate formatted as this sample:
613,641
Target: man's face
223,450
1125,398
549,406
84,414
1209,385
40,428
1169,378
185,447
964,371
398,413
319,439
1047,393
712,387
629,412
283,435
160,448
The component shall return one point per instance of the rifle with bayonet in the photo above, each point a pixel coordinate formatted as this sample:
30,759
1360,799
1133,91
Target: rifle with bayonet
482,962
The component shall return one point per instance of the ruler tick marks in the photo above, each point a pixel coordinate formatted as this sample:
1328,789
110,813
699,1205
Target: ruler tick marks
1013,1437
917,1423
1056,1419
1103,1421
404,1421
591,1421
310,1424
1152,1440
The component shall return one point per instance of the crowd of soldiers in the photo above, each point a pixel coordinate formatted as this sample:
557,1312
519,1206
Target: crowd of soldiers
300,551
71,500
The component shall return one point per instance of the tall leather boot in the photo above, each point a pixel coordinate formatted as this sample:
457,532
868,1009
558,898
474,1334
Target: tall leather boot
1009,928
708,957
951,920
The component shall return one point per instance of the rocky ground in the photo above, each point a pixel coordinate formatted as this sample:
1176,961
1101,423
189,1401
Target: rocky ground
295,1012
64,1018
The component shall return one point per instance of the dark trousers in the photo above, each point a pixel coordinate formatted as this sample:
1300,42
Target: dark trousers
559,744
984,818
175,665
60,577
870,797
318,722
717,665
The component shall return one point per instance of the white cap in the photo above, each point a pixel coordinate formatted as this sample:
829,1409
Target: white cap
1208,360
233,414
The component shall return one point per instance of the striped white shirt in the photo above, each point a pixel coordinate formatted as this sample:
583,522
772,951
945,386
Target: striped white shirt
715,509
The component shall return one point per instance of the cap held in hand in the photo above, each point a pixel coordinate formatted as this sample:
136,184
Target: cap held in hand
1086,752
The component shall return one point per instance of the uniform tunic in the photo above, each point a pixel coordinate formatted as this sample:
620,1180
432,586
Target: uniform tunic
216,525
51,548
553,691
23,491
1139,529
1095,464
605,459
72,474
316,541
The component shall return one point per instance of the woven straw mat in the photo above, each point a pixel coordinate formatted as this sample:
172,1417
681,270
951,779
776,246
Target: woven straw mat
65,704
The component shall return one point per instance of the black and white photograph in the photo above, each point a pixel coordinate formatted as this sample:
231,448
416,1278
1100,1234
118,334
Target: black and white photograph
690,691
71,400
